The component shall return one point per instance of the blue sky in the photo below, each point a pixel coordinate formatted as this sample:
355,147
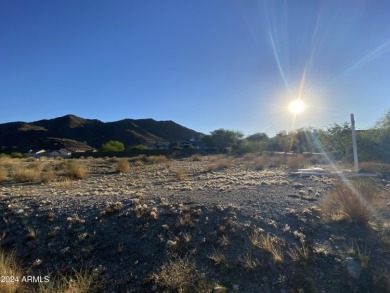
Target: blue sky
203,64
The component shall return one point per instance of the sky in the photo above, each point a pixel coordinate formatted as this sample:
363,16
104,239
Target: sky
204,64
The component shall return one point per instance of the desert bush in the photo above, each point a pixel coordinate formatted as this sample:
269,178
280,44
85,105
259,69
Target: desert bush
8,162
9,267
141,158
113,146
296,161
275,161
17,155
123,165
196,158
25,174
157,159
74,170
375,167
180,174
352,200
3,174
218,162
47,174
138,163
38,166
180,275
260,163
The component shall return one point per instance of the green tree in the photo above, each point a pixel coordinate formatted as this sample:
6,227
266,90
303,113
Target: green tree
223,139
337,138
113,146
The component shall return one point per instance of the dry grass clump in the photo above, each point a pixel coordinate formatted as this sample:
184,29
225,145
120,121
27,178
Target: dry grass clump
180,174
47,174
260,163
249,157
276,160
8,162
272,245
82,282
9,268
180,275
74,170
362,253
269,243
25,174
196,158
299,253
375,167
3,174
123,165
353,200
218,258
218,162
157,159
296,161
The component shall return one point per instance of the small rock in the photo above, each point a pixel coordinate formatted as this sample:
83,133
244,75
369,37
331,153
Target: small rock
353,268
219,289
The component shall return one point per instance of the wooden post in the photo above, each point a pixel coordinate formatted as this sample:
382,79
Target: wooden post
354,145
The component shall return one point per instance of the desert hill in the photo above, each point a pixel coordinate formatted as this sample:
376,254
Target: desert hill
23,136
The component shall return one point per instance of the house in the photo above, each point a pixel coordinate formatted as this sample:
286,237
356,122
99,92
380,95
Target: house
181,144
36,154
159,146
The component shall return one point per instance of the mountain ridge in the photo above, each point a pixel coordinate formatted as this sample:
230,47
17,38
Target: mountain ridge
22,136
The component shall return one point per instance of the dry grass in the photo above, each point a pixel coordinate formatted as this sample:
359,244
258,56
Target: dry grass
82,282
218,162
180,174
3,174
353,201
138,163
157,159
260,163
180,275
122,166
218,258
272,245
9,162
296,161
255,238
299,253
248,262
375,167
25,174
362,253
74,170
9,267
47,174
196,158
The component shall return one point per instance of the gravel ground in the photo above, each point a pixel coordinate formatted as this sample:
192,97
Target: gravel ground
123,227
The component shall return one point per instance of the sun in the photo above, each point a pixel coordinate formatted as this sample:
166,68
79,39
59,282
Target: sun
296,106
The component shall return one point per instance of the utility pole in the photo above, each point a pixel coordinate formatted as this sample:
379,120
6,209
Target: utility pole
354,145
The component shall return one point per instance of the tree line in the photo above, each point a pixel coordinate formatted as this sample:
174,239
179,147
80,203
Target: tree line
336,140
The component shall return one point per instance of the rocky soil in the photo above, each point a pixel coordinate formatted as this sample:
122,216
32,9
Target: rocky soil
127,228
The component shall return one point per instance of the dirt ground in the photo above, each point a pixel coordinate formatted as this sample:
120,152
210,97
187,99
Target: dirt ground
235,226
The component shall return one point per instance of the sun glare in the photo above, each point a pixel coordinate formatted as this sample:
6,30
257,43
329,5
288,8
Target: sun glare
296,106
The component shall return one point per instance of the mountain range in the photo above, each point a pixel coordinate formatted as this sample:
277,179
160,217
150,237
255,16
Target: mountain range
73,131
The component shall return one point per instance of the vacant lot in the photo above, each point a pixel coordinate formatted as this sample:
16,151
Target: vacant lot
200,224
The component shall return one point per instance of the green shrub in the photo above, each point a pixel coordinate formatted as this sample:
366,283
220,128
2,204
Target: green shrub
113,146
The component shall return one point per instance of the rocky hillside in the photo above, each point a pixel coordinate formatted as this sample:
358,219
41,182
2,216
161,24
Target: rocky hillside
27,135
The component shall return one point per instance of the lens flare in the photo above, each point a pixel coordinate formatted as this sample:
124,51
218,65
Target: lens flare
296,106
